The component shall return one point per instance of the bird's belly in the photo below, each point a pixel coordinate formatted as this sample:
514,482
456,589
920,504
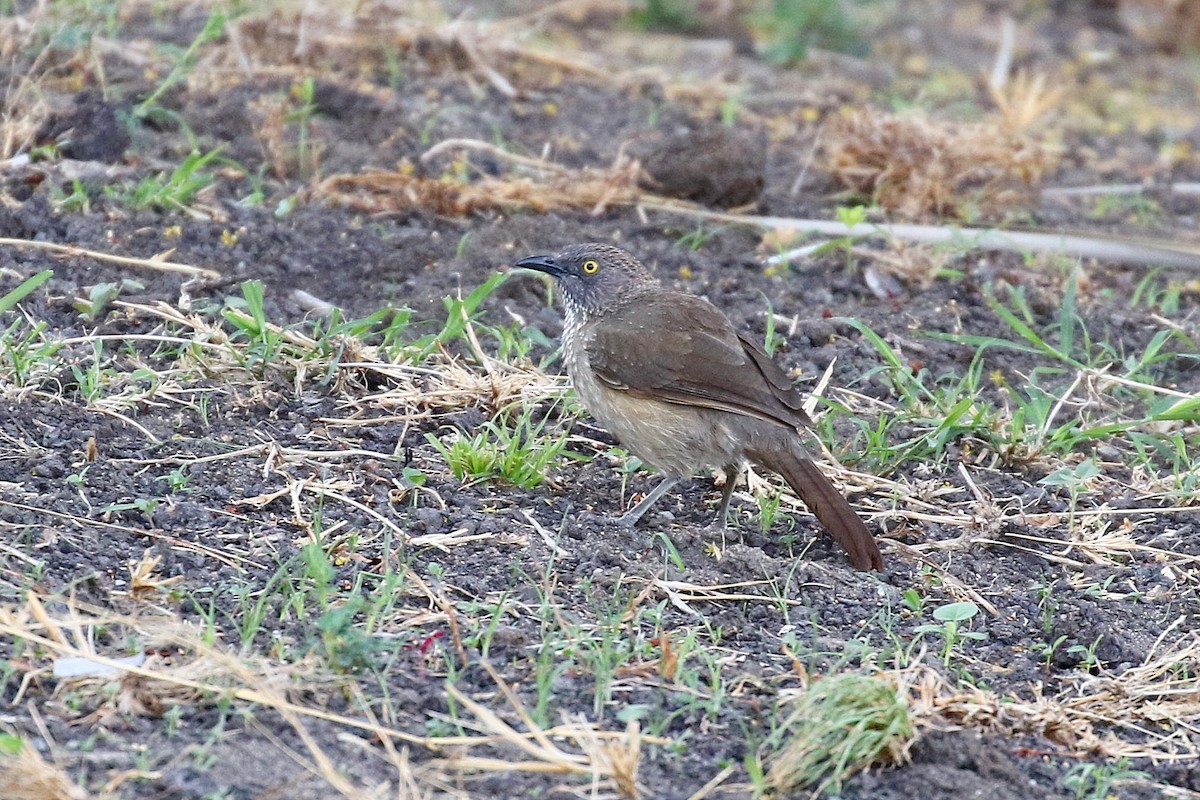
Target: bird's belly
676,440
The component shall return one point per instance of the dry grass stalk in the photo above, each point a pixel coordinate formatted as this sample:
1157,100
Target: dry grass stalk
1023,101
232,559
1120,249
618,759
267,114
682,593
449,384
606,760
917,166
158,262
142,578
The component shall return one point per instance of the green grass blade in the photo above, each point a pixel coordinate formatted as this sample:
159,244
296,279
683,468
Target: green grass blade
24,290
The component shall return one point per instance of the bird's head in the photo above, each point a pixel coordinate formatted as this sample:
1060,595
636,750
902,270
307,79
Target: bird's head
594,278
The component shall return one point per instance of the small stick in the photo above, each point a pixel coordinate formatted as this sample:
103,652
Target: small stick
155,262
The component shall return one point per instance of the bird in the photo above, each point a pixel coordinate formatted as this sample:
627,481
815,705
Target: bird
681,388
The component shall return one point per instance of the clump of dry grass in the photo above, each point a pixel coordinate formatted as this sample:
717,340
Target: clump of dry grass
585,190
918,166
25,775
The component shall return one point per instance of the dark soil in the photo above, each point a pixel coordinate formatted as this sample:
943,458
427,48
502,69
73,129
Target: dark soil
75,477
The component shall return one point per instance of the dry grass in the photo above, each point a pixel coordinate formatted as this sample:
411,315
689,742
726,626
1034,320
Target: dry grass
1023,102
917,166
197,673
270,116
484,53
194,673
442,382
23,104
158,262
1150,711
143,578
25,775
914,165
394,192
611,762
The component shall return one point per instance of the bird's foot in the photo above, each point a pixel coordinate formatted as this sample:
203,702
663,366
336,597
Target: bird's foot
630,517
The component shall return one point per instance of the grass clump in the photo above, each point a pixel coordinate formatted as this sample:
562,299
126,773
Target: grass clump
836,727
25,775
917,166
172,191
519,452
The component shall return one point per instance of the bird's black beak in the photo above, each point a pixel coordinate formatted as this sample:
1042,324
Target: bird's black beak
547,264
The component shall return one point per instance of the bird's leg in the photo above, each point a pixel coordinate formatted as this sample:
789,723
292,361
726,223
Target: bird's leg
732,473
630,517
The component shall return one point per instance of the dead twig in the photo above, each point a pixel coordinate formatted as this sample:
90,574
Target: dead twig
158,262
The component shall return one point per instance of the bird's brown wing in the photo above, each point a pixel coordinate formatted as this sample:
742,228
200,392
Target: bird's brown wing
694,357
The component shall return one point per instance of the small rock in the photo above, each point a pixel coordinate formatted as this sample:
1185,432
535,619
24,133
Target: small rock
428,519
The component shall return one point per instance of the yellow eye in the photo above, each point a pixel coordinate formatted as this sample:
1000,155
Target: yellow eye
590,267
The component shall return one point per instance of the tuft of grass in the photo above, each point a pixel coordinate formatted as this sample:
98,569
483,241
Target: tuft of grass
1097,781
27,355
171,191
519,452
248,316
769,503
25,775
917,166
836,727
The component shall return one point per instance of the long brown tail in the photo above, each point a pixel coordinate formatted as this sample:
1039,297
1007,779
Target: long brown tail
828,504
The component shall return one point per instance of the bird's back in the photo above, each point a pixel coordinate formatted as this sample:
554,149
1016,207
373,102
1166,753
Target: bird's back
679,348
